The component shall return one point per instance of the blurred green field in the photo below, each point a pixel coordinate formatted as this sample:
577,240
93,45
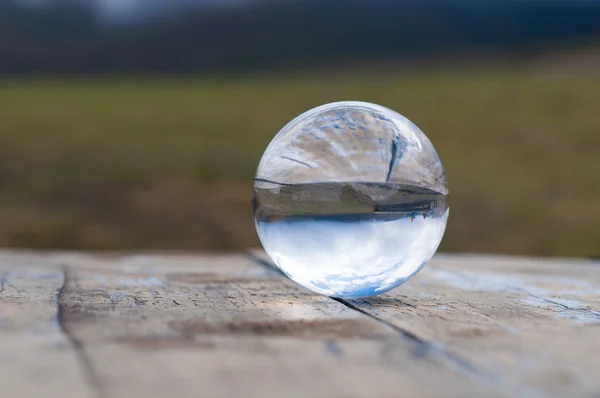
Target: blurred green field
167,163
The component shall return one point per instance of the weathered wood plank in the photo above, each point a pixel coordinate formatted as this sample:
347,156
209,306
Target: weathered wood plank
534,325
184,326
205,327
36,358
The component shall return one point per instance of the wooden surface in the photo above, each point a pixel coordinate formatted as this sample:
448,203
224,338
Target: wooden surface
81,325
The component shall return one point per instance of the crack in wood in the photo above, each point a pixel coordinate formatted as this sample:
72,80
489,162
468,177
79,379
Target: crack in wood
588,311
81,356
423,347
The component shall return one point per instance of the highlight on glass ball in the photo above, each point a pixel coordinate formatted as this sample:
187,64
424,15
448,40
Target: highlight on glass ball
350,199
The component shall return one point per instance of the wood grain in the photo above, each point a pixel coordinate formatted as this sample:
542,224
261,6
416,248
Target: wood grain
241,330
36,358
533,325
155,325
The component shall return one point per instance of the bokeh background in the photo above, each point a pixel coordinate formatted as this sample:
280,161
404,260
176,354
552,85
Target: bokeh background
138,124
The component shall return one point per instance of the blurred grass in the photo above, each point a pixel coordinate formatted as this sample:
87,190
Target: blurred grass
167,163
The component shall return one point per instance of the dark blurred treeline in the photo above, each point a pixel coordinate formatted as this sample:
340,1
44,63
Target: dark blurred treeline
70,37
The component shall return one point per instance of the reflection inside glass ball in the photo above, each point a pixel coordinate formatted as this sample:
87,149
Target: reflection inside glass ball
350,199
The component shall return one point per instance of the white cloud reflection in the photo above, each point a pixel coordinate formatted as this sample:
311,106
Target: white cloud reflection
352,259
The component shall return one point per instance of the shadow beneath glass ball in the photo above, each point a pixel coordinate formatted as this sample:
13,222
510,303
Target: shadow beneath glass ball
376,301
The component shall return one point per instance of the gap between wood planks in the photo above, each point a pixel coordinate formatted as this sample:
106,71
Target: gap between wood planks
92,377
423,347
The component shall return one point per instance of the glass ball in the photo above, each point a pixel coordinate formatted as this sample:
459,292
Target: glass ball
350,199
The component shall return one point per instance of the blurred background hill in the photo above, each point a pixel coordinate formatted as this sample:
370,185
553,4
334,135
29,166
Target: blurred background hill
128,124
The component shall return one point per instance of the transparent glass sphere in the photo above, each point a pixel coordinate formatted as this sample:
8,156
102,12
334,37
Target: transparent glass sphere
350,199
